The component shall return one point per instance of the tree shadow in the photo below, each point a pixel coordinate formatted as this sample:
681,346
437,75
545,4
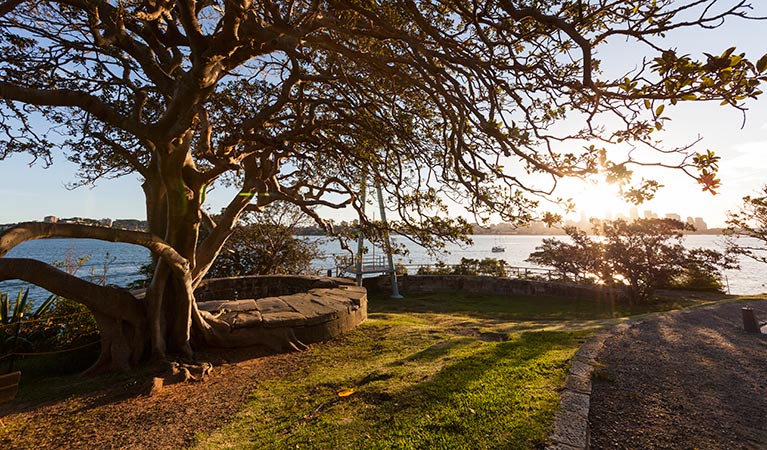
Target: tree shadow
693,378
464,377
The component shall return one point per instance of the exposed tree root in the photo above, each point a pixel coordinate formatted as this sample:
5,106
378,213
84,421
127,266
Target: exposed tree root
178,372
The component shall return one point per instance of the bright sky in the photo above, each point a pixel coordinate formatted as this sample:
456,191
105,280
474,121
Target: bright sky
30,193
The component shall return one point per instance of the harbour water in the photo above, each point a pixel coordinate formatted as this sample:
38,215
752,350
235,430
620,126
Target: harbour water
125,260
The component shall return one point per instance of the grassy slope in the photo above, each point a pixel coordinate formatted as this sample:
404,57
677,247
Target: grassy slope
431,371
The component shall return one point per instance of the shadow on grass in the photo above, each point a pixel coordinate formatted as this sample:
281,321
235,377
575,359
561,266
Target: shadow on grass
494,395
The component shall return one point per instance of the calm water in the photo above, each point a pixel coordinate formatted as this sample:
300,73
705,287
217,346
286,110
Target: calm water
126,259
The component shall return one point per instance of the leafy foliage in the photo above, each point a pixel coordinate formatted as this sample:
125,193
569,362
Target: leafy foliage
579,259
264,244
56,324
468,266
642,255
749,221
406,95
16,334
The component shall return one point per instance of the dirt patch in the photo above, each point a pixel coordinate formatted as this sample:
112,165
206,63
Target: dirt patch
690,379
124,416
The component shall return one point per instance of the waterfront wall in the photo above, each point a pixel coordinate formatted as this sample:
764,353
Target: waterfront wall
424,284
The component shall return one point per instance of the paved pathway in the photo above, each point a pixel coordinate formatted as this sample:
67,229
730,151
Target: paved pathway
683,380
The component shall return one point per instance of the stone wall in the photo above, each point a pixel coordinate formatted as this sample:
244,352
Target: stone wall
258,286
283,312
424,284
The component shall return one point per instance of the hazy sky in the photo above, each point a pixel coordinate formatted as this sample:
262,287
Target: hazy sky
30,193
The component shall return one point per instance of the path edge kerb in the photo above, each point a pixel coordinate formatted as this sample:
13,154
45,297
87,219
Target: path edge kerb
571,422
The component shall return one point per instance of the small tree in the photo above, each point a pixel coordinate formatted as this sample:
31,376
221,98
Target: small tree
642,255
577,260
750,221
264,244
701,270
645,254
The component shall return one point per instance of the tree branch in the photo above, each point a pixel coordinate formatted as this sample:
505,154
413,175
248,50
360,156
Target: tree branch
71,98
37,230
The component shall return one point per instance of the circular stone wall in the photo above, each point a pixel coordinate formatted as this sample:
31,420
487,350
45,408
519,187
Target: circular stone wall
283,312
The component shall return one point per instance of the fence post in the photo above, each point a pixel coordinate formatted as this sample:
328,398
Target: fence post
9,386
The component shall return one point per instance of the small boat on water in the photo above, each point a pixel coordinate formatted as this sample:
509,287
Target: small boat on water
499,249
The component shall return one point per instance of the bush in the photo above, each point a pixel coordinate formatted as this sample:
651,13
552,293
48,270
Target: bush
440,268
468,266
18,330
57,325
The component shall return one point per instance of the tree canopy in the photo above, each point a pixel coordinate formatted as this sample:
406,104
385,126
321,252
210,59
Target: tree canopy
300,101
264,243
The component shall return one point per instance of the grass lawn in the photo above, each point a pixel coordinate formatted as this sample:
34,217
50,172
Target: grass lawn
430,371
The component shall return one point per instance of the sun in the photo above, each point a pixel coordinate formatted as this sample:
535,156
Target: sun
601,200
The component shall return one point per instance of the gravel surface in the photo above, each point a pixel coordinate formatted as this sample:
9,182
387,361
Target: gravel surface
683,380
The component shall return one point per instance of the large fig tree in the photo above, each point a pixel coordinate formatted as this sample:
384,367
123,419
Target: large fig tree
487,103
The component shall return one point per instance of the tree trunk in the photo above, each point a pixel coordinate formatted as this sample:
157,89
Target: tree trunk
122,318
171,296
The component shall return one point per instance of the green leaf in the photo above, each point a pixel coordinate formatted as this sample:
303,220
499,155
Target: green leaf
761,65
659,110
728,52
44,307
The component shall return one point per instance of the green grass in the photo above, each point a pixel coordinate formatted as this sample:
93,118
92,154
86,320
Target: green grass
516,308
430,371
418,384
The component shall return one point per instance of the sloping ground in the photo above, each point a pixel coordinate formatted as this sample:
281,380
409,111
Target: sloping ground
117,412
688,379
410,357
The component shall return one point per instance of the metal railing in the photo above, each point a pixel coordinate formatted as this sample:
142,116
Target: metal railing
371,264
379,265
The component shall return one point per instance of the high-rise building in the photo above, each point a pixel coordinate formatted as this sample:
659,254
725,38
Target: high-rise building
700,225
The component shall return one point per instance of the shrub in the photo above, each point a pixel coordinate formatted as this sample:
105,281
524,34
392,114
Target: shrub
468,266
